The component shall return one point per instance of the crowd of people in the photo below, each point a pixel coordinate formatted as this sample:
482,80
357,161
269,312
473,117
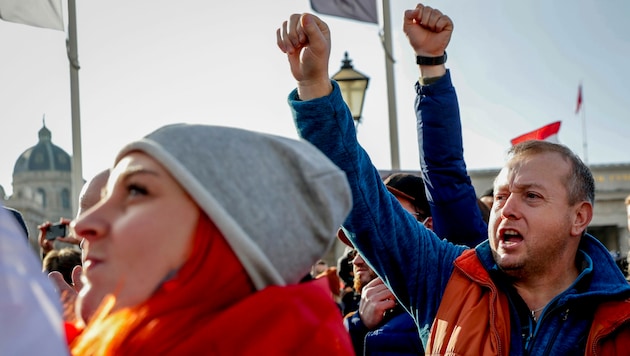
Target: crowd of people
539,284
211,240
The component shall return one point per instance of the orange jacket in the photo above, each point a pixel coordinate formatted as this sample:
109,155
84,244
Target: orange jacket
474,317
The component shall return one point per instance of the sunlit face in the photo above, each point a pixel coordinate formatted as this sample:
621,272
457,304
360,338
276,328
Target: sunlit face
138,233
363,274
628,211
530,221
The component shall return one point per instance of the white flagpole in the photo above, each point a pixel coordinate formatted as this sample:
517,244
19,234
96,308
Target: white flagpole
391,88
73,59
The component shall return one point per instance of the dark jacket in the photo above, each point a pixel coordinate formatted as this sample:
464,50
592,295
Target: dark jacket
396,335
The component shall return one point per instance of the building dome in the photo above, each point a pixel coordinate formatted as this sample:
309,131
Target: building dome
44,156
42,185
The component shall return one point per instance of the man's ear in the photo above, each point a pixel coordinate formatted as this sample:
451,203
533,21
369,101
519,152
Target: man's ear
583,217
428,223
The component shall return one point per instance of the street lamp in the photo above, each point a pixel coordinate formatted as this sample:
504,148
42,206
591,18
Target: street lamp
353,86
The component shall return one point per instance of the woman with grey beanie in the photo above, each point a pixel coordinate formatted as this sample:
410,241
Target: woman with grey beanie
201,237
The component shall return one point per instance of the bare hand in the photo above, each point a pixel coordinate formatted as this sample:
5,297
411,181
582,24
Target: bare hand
46,245
305,38
428,30
376,299
68,293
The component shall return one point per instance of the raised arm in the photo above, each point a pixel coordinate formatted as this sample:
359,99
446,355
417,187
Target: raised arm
452,197
396,246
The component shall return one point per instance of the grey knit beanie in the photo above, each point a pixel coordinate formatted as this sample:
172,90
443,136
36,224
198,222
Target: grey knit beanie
277,201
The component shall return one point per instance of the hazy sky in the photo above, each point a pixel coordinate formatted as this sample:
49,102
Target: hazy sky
144,64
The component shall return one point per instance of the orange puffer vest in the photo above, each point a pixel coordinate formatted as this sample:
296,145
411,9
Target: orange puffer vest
474,317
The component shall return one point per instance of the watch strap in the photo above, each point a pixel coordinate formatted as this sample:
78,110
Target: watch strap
431,61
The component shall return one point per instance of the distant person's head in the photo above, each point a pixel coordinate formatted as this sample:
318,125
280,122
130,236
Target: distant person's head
363,273
319,267
484,210
89,301
63,260
344,266
409,190
207,215
543,203
487,198
91,191
334,283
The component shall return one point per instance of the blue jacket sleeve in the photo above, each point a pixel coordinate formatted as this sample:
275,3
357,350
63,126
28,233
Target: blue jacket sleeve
452,197
357,331
412,261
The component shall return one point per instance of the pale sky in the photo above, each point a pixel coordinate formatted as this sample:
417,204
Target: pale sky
516,66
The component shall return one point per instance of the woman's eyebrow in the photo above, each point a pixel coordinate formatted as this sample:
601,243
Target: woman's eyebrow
128,173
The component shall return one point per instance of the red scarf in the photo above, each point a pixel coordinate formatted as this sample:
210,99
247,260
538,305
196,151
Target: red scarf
211,307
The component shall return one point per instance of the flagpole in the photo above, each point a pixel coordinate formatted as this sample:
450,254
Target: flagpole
73,59
391,88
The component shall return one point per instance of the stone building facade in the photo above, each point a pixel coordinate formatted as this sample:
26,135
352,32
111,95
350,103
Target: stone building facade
42,185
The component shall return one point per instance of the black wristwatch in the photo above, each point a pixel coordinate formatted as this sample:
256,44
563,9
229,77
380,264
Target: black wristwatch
431,61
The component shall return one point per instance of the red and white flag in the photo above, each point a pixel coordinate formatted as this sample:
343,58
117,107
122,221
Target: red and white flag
545,133
38,13
579,99
360,10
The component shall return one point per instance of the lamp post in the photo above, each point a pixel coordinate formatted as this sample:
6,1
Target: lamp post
353,85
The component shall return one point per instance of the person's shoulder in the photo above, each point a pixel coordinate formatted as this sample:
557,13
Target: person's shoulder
19,218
